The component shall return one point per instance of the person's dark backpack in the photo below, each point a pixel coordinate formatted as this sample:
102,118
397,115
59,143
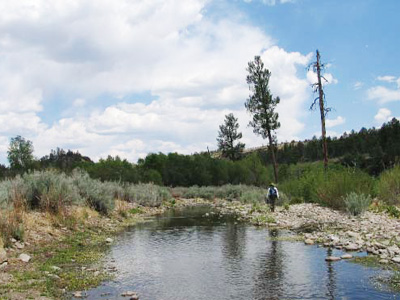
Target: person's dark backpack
273,192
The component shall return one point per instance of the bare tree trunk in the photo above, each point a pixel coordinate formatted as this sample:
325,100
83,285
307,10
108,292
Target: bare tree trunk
272,149
322,111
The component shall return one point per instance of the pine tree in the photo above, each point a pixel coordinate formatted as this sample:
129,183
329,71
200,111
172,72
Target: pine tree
228,138
262,105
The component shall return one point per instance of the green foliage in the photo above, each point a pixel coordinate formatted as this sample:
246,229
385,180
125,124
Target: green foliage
63,160
340,182
20,154
228,136
393,211
260,103
356,204
389,186
112,169
243,193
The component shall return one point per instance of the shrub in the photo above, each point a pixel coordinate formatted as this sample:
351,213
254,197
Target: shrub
356,204
337,184
50,191
393,211
11,226
146,194
96,194
389,186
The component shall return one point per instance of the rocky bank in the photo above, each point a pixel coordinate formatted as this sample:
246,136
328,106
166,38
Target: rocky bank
375,233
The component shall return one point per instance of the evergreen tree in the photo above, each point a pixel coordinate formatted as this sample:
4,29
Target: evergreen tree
228,137
262,105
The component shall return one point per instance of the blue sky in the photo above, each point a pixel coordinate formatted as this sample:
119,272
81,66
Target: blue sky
132,77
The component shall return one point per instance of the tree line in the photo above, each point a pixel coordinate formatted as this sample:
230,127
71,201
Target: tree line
372,150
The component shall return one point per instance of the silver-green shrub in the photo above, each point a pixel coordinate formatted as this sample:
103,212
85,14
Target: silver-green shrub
96,194
356,204
50,190
146,194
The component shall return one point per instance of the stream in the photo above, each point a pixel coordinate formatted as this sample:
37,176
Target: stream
185,255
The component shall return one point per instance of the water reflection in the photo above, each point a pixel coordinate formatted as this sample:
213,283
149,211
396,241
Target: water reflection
269,277
331,285
186,255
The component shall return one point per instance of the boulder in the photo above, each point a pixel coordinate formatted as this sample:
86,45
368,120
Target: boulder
346,256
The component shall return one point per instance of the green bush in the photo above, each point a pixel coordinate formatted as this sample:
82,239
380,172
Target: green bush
337,184
356,204
393,211
389,186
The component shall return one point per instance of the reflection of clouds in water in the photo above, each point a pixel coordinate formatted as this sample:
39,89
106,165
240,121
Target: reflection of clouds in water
168,260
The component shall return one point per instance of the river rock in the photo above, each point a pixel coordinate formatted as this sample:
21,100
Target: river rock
383,261
109,240
332,258
24,257
346,256
130,294
309,242
393,250
396,259
79,294
352,247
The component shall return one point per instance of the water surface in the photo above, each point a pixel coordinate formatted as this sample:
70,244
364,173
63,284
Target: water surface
186,256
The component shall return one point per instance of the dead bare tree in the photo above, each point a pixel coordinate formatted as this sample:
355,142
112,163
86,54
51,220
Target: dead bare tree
318,67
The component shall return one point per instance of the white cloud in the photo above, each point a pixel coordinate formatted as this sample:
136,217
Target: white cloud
92,56
386,78
358,85
383,116
335,122
384,94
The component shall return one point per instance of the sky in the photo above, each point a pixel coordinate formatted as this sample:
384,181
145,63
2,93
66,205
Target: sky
132,77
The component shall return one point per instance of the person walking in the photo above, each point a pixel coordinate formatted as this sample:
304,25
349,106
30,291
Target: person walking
272,196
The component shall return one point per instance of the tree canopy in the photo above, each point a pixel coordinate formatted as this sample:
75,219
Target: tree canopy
20,154
228,138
